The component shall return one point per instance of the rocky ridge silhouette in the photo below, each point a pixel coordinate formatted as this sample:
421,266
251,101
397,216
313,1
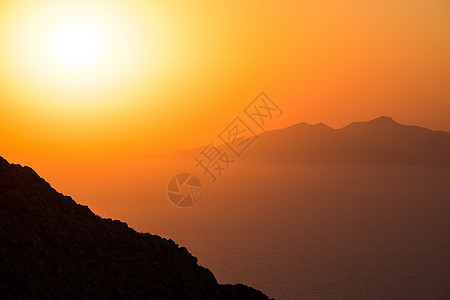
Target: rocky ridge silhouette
381,141
52,247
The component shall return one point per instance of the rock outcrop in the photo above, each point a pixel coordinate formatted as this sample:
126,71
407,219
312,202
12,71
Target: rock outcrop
51,247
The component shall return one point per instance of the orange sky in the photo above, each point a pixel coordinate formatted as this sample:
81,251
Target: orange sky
174,74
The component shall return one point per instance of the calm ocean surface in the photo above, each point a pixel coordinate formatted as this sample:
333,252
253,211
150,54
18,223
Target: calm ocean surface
310,231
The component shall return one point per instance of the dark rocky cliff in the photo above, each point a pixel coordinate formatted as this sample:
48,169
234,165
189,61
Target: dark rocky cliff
51,247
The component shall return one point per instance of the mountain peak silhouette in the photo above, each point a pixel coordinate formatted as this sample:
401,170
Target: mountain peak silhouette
380,122
381,141
384,120
53,248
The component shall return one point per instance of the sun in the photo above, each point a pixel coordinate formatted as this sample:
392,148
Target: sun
77,56
79,39
78,44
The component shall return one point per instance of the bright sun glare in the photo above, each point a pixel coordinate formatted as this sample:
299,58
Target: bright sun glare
76,54
77,44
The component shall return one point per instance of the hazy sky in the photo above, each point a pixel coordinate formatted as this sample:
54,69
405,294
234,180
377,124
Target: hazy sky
88,79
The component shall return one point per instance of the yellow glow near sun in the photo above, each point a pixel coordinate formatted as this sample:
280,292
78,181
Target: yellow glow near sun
76,55
77,44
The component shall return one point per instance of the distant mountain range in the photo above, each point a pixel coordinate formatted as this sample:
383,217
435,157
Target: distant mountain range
53,248
381,141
